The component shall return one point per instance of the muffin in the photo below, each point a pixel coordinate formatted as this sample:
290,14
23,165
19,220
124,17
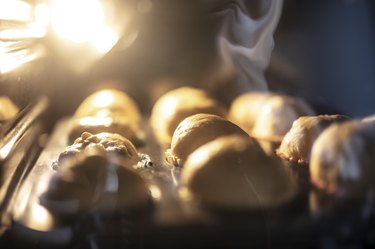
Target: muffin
297,143
117,147
171,108
267,116
195,131
91,180
342,158
107,110
233,173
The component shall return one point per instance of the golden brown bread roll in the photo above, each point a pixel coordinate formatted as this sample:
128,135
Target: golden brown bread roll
234,173
90,180
277,116
342,158
267,116
195,131
110,101
297,143
245,108
107,110
119,149
171,108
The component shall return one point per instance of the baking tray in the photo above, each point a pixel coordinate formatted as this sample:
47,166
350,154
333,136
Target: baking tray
311,220
19,148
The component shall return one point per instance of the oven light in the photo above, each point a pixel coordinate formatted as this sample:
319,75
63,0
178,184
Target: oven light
105,39
15,10
82,21
76,20
20,35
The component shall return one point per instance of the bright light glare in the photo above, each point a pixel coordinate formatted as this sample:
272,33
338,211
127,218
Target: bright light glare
10,61
83,21
42,15
169,105
105,40
77,20
155,192
24,33
15,10
39,214
104,99
106,121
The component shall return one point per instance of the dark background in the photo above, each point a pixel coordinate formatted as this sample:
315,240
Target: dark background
325,52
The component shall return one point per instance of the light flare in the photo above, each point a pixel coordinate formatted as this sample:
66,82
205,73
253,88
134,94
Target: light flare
83,22
104,99
15,10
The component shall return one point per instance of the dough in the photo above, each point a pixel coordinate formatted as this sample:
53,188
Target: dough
195,131
111,124
342,158
117,147
244,109
111,101
277,115
234,173
267,116
107,110
297,143
171,108
90,180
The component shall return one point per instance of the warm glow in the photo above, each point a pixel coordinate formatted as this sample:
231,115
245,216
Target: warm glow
15,10
198,156
83,21
27,32
104,99
4,151
105,39
155,192
18,30
77,20
92,121
39,214
42,14
10,61
169,105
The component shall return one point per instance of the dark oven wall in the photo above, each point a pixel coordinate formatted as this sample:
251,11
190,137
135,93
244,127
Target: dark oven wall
325,52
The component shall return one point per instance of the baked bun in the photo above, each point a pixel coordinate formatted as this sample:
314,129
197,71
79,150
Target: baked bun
109,102
267,116
7,109
277,116
245,108
117,148
195,131
342,158
171,108
297,143
89,180
107,110
234,173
